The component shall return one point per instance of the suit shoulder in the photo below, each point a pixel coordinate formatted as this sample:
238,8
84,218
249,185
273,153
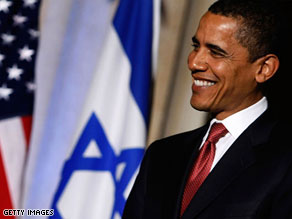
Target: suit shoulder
178,141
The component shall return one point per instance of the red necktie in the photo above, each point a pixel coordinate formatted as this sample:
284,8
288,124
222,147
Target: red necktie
202,165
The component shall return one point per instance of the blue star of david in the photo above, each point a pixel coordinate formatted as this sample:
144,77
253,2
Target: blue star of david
108,162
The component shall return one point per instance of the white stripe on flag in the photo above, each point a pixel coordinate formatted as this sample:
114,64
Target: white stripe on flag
87,186
156,31
13,147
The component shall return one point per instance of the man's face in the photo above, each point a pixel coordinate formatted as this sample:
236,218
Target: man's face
223,78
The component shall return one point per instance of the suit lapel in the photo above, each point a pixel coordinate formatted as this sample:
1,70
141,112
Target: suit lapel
240,156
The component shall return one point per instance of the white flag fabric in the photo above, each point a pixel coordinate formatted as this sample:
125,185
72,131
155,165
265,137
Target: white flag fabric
92,105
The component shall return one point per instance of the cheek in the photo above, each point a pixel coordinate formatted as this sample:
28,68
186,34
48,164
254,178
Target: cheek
244,77
222,71
238,83
227,80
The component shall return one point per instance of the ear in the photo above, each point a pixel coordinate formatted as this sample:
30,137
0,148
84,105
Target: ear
269,65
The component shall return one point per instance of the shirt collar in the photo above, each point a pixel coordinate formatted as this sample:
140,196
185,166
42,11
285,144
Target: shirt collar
238,122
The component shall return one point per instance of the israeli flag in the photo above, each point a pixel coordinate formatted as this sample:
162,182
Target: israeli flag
91,136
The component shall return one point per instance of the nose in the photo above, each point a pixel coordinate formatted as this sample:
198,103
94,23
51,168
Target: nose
197,61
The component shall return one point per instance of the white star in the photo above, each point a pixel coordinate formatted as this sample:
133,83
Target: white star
31,86
19,20
7,38
2,57
29,3
4,4
5,92
14,72
25,53
34,33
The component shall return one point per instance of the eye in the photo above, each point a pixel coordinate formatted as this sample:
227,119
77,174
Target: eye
196,46
216,53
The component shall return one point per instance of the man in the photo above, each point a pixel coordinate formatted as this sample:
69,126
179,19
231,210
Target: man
239,165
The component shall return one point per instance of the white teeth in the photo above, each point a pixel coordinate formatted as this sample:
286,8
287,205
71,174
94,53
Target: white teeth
203,83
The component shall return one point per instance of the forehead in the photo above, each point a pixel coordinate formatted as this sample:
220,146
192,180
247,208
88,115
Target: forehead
217,28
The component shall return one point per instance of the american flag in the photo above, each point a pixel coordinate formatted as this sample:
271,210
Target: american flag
18,44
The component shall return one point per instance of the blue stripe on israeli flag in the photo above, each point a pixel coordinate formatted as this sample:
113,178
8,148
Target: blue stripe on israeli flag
134,25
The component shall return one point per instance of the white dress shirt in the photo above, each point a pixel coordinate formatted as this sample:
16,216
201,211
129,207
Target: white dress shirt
236,124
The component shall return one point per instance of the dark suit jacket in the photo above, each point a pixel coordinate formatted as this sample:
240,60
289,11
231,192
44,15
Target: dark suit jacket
252,180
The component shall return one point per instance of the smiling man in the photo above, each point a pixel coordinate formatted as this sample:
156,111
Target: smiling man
239,165
225,79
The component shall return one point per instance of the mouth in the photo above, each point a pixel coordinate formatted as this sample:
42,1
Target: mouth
203,83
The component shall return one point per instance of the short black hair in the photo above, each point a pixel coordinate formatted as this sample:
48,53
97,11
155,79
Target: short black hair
259,25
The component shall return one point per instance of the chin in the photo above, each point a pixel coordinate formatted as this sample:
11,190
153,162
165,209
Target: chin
200,107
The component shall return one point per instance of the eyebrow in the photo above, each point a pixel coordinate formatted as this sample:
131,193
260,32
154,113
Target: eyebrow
211,46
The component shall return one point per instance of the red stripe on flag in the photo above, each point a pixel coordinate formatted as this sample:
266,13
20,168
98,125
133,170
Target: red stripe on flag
27,123
5,200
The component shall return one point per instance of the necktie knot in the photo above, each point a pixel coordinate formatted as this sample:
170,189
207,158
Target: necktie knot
217,131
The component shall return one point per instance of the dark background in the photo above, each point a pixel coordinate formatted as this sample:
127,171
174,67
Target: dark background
279,88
